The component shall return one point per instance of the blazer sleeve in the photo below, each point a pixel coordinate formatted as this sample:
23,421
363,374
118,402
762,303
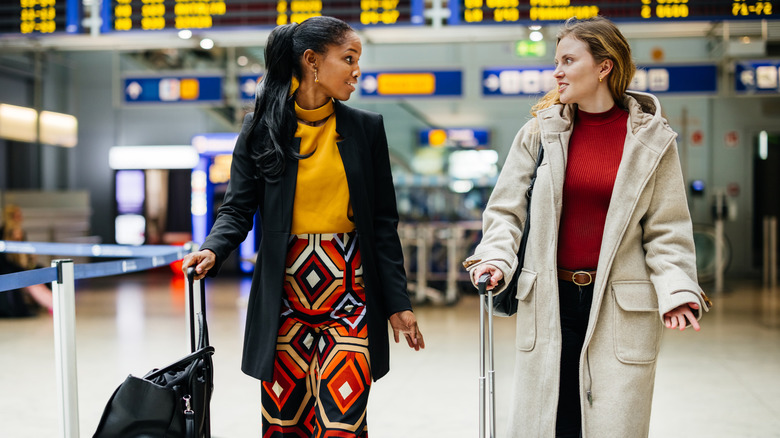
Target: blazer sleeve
388,245
670,253
242,198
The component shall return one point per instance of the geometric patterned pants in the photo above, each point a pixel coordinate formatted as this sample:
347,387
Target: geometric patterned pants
322,373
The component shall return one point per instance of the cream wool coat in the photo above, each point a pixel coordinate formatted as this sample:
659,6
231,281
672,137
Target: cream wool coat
647,267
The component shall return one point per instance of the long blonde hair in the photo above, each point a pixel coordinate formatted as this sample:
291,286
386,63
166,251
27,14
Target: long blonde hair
604,41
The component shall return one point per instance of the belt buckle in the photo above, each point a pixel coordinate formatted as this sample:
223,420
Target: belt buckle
574,278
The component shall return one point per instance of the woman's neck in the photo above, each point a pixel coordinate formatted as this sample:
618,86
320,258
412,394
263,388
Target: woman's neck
308,98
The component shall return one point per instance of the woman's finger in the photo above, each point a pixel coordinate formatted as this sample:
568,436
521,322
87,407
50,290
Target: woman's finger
693,320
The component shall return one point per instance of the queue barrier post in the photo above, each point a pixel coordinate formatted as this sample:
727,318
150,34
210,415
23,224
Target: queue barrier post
64,296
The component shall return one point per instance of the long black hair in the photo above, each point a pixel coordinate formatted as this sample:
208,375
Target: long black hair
274,105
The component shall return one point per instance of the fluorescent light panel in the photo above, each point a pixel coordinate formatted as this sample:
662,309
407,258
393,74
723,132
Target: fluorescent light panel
18,123
152,157
59,129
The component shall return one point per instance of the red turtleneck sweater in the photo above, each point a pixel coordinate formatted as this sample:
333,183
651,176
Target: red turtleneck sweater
595,149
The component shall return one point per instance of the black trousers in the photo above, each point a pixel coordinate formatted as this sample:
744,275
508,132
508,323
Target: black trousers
575,304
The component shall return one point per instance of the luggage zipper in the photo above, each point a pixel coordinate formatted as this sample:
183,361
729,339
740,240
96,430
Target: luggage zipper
187,405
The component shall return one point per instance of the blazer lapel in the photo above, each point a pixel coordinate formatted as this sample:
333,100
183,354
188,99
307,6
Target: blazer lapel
349,149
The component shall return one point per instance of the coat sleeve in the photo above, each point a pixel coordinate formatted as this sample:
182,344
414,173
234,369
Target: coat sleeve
670,253
242,198
385,221
504,215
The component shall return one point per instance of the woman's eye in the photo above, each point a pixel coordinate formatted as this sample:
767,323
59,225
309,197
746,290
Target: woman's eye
349,60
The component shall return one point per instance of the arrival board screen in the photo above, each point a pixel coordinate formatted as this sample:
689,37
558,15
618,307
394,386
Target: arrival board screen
528,11
33,16
125,15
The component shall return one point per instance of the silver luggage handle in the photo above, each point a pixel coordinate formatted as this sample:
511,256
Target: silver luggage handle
486,389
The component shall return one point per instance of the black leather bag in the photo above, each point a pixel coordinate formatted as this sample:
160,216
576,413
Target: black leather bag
172,401
505,302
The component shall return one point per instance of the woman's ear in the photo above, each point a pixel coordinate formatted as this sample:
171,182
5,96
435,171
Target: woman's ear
310,59
606,68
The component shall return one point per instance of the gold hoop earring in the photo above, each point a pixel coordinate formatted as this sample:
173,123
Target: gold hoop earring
316,79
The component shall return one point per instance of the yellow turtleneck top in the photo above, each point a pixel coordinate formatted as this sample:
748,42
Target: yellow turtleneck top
321,195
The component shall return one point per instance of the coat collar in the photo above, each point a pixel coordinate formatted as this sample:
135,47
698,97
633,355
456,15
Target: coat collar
647,138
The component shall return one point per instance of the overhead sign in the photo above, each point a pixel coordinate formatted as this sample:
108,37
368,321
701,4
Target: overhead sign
517,81
412,84
661,79
676,79
757,77
171,90
539,11
247,86
531,49
455,137
40,16
150,15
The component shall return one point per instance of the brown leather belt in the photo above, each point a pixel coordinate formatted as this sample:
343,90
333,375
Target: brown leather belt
580,278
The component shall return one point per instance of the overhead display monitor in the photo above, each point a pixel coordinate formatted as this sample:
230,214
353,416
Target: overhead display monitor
29,17
542,11
144,15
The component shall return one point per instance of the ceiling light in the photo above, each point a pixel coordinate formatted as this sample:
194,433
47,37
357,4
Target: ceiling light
206,44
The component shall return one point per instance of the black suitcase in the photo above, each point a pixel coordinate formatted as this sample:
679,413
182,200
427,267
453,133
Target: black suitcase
172,401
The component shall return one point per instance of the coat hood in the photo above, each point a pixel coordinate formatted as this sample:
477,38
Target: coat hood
646,121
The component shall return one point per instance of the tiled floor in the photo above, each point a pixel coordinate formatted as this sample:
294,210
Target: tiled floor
721,382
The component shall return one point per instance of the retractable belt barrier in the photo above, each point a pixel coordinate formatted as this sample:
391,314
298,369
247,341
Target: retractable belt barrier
62,275
138,258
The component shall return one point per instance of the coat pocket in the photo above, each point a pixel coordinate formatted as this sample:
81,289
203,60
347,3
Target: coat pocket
525,338
637,328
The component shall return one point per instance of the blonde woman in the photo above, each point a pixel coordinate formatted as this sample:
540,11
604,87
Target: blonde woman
610,258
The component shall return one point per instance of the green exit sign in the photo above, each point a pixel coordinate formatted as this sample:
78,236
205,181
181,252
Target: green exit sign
531,49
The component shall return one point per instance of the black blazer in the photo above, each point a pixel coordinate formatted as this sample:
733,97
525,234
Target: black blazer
364,152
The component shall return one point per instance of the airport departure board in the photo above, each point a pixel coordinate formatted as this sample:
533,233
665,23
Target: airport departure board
33,16
50,16
529,11
127,15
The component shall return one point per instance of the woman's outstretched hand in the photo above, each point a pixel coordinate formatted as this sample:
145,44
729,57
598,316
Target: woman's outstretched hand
202,261
405,322
676,318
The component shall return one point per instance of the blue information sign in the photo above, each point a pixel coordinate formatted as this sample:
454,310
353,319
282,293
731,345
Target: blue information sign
657,79
177,89
455,137
412,84
757,77
247,86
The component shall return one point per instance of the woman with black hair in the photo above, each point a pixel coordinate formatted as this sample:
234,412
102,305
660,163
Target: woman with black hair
329,271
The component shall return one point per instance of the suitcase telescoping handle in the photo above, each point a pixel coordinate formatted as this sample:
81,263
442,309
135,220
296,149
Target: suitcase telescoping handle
203,329
486,388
